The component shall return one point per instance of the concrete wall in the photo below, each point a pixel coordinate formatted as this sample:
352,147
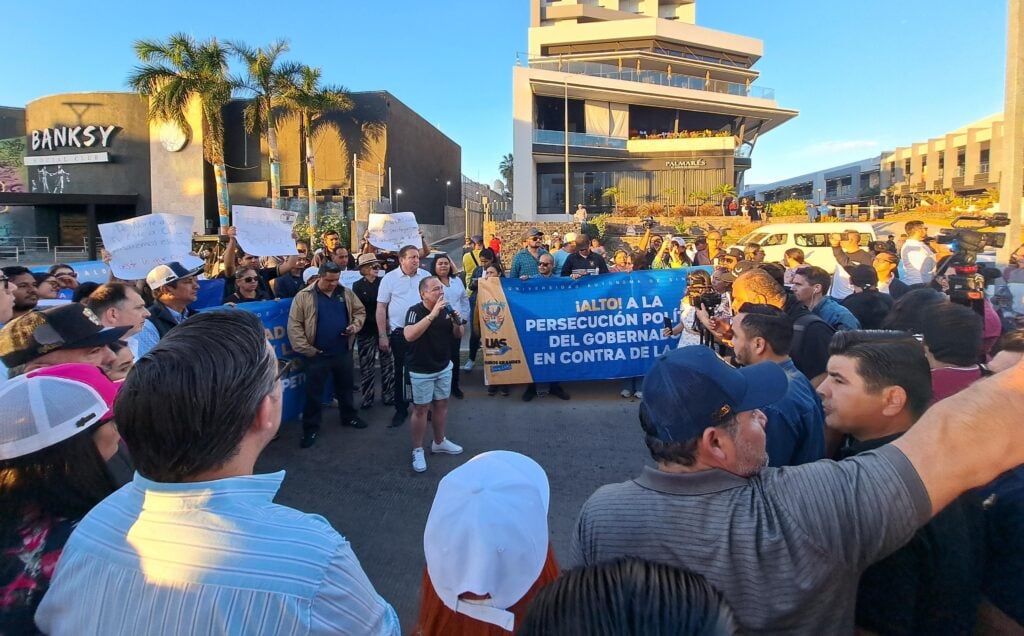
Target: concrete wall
178,183
12,122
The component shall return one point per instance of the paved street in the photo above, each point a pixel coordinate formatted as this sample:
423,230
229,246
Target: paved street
362,481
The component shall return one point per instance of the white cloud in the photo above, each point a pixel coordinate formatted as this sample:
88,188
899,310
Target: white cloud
826,148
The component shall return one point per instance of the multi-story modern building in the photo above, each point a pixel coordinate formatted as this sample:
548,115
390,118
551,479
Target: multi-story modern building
966,161
632,95
850,183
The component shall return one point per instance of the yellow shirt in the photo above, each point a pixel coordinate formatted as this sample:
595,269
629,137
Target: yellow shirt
470,261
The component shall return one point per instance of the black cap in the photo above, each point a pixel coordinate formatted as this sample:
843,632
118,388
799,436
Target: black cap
70,326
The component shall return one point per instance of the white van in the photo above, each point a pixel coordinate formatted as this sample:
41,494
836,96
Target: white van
812,238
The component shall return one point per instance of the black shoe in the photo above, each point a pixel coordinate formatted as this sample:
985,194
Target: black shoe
504,391
355,422
559,393
457,392
308,440
366,406
398,419
388,402
492,391
529,394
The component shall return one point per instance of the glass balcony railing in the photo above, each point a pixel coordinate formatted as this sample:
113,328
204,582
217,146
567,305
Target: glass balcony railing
983,167
557,138
658,78
960,171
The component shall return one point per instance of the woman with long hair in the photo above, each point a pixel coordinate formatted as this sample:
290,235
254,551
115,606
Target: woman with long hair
455,293
56,437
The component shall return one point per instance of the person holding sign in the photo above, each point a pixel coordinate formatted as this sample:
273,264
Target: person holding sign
235,258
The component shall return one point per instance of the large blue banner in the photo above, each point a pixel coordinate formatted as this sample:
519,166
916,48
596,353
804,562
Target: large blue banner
594,328
88,271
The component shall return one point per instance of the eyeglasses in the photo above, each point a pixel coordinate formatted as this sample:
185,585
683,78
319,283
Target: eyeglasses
63,274
249,279
284,367
544,264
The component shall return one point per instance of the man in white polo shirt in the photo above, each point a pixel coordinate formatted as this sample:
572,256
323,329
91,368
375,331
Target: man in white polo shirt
399,290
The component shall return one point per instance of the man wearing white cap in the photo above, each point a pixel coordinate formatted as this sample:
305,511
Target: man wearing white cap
174,289
486,545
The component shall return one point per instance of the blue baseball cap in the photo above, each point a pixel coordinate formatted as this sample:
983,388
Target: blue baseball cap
688,389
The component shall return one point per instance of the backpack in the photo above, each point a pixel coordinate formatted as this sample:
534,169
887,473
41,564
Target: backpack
800,326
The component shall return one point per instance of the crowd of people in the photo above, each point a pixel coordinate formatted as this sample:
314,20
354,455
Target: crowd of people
830,451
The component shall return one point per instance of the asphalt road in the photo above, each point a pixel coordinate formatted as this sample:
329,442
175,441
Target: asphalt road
363,483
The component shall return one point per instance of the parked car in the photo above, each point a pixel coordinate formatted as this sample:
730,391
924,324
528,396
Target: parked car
812,238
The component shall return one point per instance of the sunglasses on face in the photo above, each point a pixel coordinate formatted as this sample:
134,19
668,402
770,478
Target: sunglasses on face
544,264
249,279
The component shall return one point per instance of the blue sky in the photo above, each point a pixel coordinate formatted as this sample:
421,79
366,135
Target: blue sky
866,76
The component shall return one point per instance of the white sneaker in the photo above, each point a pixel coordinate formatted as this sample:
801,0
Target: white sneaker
626,393
446,446
419,462
468,366
639,395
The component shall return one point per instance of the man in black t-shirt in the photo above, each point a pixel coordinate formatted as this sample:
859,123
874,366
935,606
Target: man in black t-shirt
429,328
584,261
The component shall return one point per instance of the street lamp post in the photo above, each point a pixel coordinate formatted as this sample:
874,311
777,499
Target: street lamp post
819,196
398,193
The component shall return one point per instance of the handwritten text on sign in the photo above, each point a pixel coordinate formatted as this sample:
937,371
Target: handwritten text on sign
140,244
392,232
264,231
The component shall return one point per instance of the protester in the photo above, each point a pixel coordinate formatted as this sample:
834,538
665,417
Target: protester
877,389
430,326
909,312
120,305
247,289
753,252
329,240
627,596
810,286
288,284
58,335
235,259
321,322
83,290
795,424
399,290
952,340
123,362
174,289
495,244
847,252
524,263
366,289
486,545
47,286
487,258
1014,273
793,259
886,264
568,247
24,287
67,277
729,259
546,265
160,551
622,262
494,271
804,533
672,254
918,259
583,261
867,304
57,436
811,334
6,300
689,328
455,294
471,257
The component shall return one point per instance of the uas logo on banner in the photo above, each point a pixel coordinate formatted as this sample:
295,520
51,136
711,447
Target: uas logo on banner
593,328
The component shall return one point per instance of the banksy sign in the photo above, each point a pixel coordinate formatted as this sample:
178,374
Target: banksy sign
71,137
82,157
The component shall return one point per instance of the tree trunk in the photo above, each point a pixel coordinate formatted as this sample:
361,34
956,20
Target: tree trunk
220,173
310,172
275,163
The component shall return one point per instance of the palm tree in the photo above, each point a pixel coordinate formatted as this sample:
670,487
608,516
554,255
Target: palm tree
722,191
267,77
613,194
177,71
505,168
310,101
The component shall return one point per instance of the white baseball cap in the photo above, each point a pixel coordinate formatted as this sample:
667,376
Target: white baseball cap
487,534
310,272
168,273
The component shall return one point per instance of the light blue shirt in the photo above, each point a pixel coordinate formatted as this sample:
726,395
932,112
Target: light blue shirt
146,339
560,257
216,557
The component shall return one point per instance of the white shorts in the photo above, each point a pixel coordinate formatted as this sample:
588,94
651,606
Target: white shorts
428,387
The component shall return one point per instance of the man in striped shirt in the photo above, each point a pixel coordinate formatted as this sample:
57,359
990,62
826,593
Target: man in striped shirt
786,546
195,544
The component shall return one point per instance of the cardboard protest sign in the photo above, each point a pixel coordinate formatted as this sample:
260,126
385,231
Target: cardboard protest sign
392,232
138,245
264,231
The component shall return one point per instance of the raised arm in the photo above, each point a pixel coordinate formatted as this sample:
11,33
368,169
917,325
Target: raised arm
967,440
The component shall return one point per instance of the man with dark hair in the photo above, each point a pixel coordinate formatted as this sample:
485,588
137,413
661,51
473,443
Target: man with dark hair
810,286
487,258
952,338
429,329
288,284
709,248
342,258
795,428
918,259
330,240
847,252
23,284
120,305
804,533
399,290
58,335
524,263
878,386
322,322
584,261
867,304
195,539
811,334
886,264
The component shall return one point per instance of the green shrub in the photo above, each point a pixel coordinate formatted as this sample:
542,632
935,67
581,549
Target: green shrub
326,222
789,207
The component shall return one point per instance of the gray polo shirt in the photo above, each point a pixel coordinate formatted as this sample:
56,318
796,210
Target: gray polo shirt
786,547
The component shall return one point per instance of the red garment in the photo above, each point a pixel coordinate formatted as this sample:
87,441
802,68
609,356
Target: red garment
495,245
951,380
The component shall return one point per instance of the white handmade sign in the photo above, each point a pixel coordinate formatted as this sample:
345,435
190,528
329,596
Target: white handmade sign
264,231
392,232
138,245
